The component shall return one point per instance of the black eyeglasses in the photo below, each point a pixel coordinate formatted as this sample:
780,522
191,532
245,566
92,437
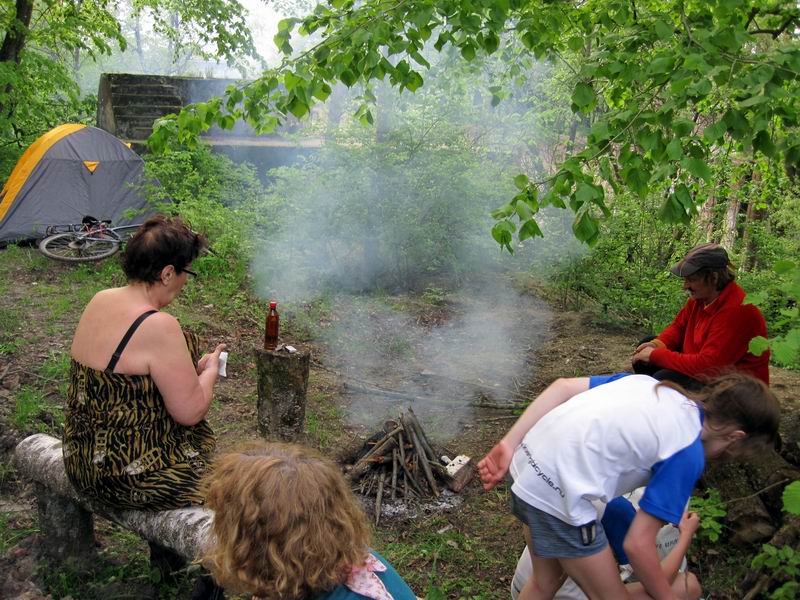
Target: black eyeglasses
192,273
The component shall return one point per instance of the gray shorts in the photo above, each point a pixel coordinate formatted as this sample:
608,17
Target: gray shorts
553,538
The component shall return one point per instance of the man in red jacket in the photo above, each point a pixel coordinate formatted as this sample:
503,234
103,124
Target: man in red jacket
712,331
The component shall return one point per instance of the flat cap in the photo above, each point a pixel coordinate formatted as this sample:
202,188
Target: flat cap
711,256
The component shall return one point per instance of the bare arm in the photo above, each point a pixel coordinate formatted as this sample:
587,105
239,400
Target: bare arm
493,467
187,394
672,561
640,546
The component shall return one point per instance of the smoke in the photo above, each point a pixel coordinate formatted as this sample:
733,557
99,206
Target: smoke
394,234
477,349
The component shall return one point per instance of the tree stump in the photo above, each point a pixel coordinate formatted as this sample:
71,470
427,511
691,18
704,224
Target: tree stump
282,387
67,530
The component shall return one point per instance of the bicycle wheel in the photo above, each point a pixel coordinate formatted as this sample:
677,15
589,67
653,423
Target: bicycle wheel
77,247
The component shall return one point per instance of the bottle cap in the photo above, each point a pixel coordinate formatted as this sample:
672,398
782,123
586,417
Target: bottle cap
273,304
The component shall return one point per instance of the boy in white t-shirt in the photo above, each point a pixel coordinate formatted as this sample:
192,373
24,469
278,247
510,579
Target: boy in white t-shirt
580,441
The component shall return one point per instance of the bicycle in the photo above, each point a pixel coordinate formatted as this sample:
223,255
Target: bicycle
87,241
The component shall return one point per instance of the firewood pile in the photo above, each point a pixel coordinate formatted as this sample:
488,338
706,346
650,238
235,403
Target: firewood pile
400,462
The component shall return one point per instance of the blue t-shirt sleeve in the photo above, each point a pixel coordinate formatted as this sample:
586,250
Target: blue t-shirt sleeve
616,521
672,483
596,380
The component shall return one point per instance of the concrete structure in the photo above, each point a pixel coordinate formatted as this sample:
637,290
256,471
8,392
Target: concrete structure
129,104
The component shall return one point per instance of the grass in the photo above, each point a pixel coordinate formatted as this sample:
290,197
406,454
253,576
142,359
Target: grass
28,403
30,406
56,370
10,535
322,419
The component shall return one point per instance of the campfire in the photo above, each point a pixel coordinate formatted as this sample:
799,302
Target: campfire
400,462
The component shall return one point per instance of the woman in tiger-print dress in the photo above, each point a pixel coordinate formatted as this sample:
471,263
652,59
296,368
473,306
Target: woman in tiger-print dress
134,432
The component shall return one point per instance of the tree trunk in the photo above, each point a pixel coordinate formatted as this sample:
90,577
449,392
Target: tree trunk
282,388
729,230
754,216
137,35
17,32
13,44
707,219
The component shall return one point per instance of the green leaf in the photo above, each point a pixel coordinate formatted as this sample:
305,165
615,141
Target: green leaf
468,52
530,229
672,210
321,92
684,196
583,95
661,65
682,127
638,179
791,498
298,108
348,78
575,43
787,349
782,267
698,168
753,101
764,144
490,42
758,345
585,227
647,138
503,233
523,210
663,30
714,132
585,193
504,211
674,149
521,181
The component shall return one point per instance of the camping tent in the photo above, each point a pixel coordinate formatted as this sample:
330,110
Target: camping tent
70,172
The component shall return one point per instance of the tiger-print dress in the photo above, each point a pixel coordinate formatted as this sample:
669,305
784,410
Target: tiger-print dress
122,448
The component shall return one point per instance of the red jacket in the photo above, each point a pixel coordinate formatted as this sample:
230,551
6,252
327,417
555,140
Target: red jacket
703,340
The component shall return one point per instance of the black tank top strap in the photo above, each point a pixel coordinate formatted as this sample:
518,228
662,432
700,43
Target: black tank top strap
127,338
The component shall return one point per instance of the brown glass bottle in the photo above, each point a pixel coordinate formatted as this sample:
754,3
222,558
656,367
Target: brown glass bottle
271,327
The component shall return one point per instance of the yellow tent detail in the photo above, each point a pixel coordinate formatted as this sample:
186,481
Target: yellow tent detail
91,165
28,161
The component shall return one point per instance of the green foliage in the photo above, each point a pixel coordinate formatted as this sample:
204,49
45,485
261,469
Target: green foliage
779,299
711,510
654,76
791,498
28,403
39,68
224,201
783,563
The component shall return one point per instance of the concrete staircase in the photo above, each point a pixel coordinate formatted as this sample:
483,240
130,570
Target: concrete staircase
129,104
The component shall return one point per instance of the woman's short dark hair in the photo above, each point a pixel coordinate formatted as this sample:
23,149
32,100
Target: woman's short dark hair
160,241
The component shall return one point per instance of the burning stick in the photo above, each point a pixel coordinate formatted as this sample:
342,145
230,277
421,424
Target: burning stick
380,449
411,419
379,498
426,467
394,473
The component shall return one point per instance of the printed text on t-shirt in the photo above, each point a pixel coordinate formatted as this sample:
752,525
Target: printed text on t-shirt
545,477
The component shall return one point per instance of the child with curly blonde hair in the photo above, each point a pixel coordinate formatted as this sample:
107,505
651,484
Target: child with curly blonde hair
287,526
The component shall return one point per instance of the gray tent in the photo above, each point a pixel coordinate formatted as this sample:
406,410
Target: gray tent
70,172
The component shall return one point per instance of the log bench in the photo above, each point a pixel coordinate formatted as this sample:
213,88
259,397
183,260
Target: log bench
66,520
